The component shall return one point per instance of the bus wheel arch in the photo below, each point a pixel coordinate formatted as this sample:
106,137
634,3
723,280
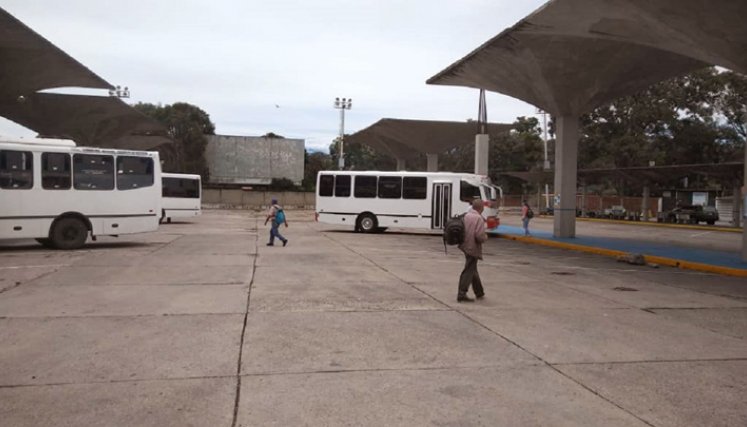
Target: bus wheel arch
367,222
69,231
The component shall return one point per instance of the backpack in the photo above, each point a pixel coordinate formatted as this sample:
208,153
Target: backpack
530,214
279,215
454,231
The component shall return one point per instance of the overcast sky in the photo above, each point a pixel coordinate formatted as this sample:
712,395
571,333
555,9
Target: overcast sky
277,65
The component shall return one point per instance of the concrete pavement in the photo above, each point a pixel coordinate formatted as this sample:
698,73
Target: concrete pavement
202,324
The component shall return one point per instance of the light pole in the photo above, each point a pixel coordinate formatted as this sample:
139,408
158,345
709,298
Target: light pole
546,165
342,104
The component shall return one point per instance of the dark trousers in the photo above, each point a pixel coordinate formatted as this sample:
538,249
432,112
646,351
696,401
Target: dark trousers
470,276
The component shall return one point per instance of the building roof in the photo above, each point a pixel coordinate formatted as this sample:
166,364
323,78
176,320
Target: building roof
407,139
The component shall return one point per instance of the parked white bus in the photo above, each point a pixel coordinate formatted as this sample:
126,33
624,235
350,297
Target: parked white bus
182,196
58,193
370,200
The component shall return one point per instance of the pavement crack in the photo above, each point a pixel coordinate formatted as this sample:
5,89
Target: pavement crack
237,401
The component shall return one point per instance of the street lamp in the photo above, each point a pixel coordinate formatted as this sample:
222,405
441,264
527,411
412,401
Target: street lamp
119,92
544,114
546,165
342,104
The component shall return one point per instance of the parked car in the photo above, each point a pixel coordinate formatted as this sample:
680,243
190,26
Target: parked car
692,214
614,212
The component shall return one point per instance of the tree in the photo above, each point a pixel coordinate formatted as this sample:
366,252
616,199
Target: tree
272,135
187,125
521,149
313,163
360,156
695,118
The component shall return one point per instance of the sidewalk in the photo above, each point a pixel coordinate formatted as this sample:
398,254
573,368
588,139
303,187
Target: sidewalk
720,262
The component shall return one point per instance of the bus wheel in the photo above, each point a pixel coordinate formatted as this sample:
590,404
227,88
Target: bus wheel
69,233
367,223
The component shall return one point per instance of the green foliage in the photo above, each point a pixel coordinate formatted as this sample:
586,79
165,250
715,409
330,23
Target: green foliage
273,135
361,157
695,118
313,163
187,125
282,184
519,150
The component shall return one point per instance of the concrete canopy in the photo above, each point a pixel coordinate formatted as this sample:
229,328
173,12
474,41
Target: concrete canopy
562,74
383,144
727,172
31,63
712,31
88,120
407,139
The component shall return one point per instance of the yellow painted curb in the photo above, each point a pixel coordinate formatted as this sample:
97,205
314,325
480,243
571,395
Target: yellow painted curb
650,259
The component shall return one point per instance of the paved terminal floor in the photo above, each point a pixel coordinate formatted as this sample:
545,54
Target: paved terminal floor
201,324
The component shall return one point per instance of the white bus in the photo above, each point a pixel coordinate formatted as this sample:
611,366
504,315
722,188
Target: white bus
182,196
58,193
370,200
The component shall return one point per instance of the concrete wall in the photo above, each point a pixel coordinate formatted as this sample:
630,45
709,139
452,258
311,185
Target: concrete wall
254,160
239,199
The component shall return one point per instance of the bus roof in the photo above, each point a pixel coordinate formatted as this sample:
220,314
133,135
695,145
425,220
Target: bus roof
63,148
406,173
40,141
180,175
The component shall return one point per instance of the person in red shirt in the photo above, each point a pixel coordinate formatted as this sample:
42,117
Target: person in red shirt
474,237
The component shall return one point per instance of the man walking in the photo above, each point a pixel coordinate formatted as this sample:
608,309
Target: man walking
277,215
474,237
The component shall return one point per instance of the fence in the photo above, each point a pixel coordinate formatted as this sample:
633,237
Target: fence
589,202
240,199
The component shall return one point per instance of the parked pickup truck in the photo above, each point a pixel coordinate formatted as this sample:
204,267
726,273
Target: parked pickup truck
691,214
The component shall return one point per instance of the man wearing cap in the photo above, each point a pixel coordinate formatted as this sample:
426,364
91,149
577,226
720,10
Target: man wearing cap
278,216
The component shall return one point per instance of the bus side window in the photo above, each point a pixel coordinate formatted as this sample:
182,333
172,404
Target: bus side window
326,185
365,186
468,192
16,170
191,188
93,172
390,187
134,172
56,171
415,187
342,186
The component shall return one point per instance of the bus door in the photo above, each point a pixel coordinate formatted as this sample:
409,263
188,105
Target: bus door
440,204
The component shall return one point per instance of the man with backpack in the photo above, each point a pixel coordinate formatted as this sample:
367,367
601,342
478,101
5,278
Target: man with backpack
474,237
277,215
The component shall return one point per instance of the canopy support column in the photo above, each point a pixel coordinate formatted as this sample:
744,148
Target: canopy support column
744,199
736,210
482,142
646,195
566,165
432,162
